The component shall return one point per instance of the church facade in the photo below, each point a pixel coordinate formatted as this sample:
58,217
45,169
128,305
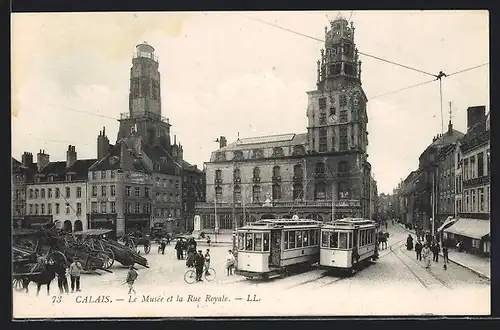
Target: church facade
321,174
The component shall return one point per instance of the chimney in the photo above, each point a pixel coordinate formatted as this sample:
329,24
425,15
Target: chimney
102,144
222,142
70,156
450,128
180,155
42,159
27,159
475,115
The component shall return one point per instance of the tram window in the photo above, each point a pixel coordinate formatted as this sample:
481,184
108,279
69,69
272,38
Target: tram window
364,237
350,240
334,240
325,238
342,240
313,237
258,242
307,239
241,239
266,241
249,242
317,236
291,239
299,238
370,236
286,233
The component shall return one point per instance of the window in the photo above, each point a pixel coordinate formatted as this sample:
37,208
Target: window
103,191
343,167
466,169
112,174
241,238
127,190
480,193
57,208
473,200
472,167
256,173
480,164
31,193
276,192
68,192
67,208
94,175
42,209
323,139
488,162
343,137
36,193
78,192
78,208
266,242
278,152
237,194
257,242
319,169
343,190
322,118
322,103
325,239
319,191
157,182
257,153
238,155
291,239
249,241
49,192
43,193
137,208
236,174
164,183
343,115
146,192
128,207
343,240
297,171
298,238
146,207
137,192
103,175
94,191
165,197
221,157
334,240
297,191
255,194
298,150
113,207
467,205
113,190
218,193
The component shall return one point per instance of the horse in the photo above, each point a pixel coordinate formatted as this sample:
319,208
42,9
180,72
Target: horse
382,240
45,277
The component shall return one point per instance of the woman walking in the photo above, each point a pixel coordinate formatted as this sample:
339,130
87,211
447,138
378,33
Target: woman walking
426,254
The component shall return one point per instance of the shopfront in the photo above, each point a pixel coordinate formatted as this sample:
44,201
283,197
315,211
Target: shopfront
473,233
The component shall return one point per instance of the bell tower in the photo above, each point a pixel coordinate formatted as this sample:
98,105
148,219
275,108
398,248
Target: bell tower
337,108
145,116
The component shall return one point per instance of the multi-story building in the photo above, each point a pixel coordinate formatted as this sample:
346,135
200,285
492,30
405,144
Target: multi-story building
148,169
472,161
58,191
445,184
22,172
321,174
193,191
408,192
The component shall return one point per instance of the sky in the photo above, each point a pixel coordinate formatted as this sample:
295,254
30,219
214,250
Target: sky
226,73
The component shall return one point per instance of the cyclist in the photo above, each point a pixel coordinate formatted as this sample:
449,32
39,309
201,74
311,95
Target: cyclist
199,263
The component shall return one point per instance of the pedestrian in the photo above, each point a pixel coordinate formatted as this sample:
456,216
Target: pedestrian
208,240
409,243
445,254
131,277
62,280
435,252
199,263
168,239
418,250
230,260
207,259
179,247
75,271
426,254
162,246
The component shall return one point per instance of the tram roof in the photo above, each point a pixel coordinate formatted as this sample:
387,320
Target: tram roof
267,223
351,222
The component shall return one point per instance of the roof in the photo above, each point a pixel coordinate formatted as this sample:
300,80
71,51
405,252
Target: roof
446,139
161,156
268,141
474,228
188,167
445,151
114,160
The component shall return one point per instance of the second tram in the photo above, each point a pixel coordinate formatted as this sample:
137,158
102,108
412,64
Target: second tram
348,243
271,247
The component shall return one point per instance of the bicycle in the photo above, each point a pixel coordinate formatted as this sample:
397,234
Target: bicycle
208,274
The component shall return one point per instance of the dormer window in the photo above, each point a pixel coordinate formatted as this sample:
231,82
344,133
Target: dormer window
68,177
278,152
257,153
238,155
221,156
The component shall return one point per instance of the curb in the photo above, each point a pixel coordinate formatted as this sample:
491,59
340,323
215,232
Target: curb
478,273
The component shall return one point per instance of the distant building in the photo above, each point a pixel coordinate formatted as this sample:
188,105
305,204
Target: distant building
21,173
57,191
445,184
321,174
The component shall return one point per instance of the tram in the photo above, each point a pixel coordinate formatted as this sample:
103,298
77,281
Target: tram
348,243
272,247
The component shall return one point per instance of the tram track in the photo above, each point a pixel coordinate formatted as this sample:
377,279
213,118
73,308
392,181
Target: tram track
412,271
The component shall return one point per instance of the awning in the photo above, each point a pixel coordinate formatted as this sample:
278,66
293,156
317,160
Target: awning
474,228
447,223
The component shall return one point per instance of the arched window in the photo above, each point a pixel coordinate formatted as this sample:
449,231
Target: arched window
218,175
319,191
237,194
256,173
257,153
343,166
298,171
276,172
236,174
298,150
276,192
256,194
298,191
319,168
218,193
221,156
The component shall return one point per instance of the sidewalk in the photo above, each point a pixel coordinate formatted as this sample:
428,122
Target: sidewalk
221,239
479,265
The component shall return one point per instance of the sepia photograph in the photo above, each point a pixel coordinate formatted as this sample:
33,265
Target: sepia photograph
250,164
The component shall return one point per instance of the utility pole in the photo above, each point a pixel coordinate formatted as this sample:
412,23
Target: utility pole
433,202
333,201
216,229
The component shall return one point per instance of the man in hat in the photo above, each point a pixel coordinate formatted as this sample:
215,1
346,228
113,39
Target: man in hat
199,262
131,277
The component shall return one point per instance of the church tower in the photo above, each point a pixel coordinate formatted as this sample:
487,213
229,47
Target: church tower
145,116
337,108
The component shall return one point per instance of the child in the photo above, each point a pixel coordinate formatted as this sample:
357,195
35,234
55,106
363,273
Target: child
207,259
131,277
230,260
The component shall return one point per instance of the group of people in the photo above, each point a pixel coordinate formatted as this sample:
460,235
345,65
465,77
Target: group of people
424,250
75,272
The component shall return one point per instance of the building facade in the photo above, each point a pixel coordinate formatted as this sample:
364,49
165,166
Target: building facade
445,184
193,191
58,190
321,174
472,164
21,173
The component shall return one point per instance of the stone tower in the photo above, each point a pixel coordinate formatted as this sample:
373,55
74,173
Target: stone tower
337,108
145,116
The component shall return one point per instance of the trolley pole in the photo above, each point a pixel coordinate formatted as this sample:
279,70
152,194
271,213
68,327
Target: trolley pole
233,234
216,229
433,202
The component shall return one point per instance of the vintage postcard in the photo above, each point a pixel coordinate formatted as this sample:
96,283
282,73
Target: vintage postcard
201,164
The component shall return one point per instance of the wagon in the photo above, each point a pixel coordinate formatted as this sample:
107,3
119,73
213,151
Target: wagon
93,240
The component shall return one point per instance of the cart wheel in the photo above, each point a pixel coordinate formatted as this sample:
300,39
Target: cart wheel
57,257
210,274
147,248
190,276
107,260
17,284
111,256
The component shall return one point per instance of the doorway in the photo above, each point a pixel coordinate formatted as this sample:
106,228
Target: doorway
275,255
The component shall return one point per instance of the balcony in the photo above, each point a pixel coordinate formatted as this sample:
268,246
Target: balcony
256,180
217,181
476,181
237,180
286,204
298,178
